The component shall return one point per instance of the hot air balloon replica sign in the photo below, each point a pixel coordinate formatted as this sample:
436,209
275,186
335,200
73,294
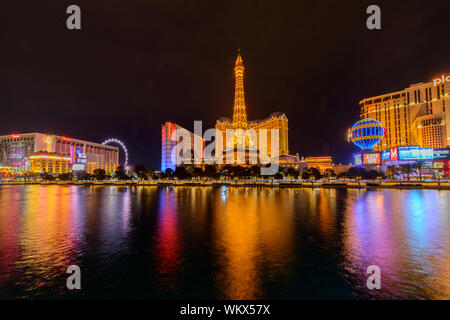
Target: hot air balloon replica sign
366,134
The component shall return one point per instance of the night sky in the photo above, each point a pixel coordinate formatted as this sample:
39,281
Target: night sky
136,64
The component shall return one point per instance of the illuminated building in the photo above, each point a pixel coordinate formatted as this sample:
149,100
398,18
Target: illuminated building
16,151
432,163
289,161
366,134
171,135
340,168
417,115
371,160
241,145
276,120
321,163
167,145
441,163
49,162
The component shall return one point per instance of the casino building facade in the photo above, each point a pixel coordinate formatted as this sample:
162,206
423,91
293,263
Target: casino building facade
39,152
241,125
417,115
243,146
171,135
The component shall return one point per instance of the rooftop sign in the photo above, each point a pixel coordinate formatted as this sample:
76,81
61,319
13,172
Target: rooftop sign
441,80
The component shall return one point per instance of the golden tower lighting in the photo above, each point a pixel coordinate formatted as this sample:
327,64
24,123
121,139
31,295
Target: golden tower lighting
239,112
276,120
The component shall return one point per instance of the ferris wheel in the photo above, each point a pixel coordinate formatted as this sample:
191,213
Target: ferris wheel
124,148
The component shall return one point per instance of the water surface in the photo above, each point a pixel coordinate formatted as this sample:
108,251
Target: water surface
223,242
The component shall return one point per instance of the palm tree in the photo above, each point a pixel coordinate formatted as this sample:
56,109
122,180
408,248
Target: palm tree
197,172
140,171
407,169
169,173
210,171
120,173
418,165
305,174
293,173
254,171
181,173
99,174
390,172
278,176
329,173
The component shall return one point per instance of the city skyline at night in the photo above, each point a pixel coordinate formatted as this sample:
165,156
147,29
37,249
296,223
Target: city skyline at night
230,159
125,87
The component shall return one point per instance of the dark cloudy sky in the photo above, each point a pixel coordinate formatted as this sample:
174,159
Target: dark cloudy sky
136,64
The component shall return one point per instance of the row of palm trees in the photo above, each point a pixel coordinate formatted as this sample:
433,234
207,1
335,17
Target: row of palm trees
405,169
239,172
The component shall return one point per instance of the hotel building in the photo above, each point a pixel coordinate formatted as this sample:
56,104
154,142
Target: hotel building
277,121
39,152
49,162
241,144
171,135
320,163
417,115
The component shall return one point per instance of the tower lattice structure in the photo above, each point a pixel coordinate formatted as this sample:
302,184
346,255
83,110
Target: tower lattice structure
239,111
276,121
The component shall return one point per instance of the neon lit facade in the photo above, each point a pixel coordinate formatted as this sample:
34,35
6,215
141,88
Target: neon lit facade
276,120
167,129
17,151
170,137
239,114
321,163
49,163
418,115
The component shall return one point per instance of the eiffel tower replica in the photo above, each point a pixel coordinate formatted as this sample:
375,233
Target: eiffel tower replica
244,146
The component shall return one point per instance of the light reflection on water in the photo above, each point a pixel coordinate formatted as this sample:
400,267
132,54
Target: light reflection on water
407,235
226,243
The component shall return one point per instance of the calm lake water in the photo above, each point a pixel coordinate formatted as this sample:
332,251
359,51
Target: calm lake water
225,243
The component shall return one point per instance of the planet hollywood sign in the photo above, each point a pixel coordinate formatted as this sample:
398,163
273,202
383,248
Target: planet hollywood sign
441,80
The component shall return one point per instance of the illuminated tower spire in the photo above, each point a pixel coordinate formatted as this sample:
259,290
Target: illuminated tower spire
239,112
